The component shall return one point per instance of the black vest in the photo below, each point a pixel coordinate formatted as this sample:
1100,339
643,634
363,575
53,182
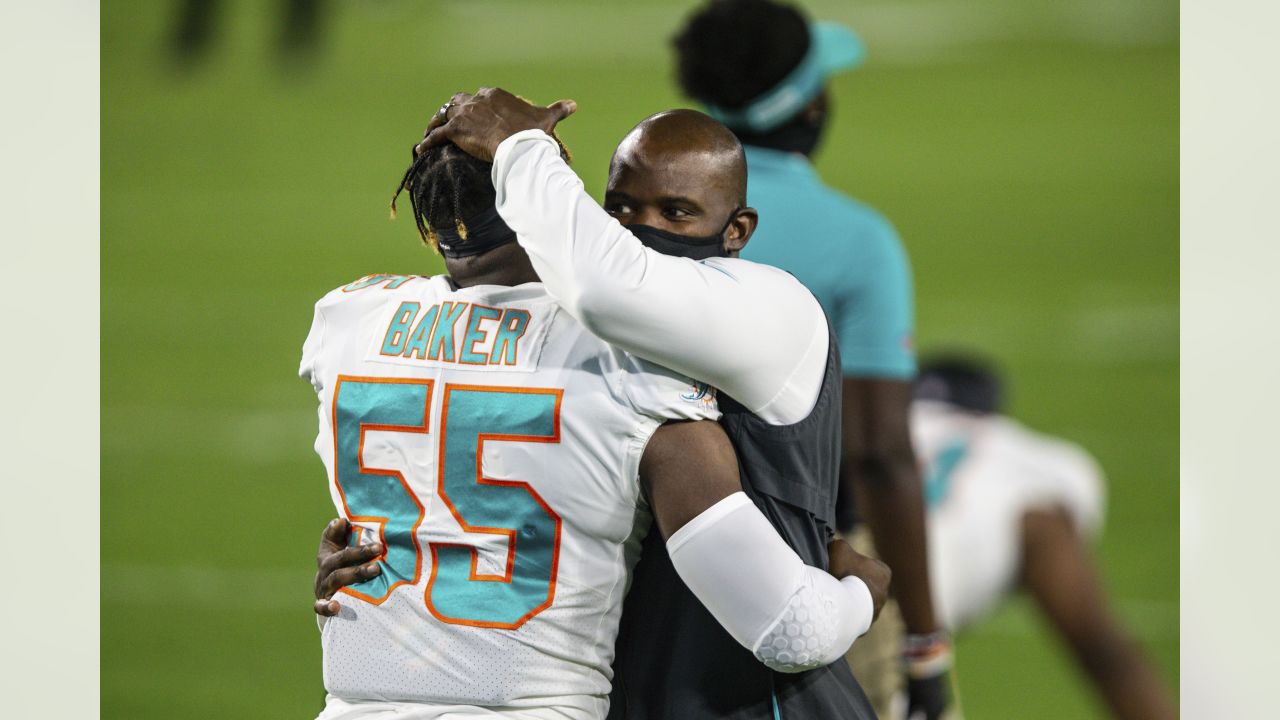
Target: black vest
674,661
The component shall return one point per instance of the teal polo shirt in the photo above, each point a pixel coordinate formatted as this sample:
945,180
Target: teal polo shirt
846,253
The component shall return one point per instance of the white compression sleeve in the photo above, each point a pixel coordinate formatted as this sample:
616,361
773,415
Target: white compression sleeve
792,616
750,330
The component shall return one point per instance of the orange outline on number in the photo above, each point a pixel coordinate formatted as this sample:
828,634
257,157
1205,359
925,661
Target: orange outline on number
381,521
510,533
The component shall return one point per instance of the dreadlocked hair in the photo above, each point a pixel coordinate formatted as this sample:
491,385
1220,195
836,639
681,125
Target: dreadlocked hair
731,52
446,185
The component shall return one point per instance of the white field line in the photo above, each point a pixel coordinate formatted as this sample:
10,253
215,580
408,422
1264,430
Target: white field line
248,588
1118,334
253,437
1087,333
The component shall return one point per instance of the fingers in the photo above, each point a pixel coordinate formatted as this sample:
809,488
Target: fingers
438,136
841,552
333,538
436,121
327,608
562,109
439,119
350,556
845,561
422,145
334,556
340,566
338,579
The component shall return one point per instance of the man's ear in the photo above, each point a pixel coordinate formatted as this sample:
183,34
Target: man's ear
744,223
815,113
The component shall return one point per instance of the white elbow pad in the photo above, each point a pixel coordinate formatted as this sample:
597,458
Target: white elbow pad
793,617
821,621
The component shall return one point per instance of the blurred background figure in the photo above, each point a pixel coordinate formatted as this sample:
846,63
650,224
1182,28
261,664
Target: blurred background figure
1012,509
197,23
764,70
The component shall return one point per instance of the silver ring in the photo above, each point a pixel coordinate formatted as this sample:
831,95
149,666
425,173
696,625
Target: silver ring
443,112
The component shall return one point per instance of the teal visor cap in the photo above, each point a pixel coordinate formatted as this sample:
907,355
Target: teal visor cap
832,48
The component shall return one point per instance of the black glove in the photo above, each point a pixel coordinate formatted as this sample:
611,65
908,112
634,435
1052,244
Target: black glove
927,698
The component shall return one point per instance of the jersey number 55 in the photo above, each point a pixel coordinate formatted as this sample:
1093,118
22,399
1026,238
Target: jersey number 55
470,415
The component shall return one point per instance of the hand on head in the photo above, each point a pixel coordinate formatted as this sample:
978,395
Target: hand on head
479,123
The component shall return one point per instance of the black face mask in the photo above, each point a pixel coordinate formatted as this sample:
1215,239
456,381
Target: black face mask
690,246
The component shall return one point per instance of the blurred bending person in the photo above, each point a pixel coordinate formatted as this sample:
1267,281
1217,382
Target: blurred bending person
499,465
1012,509
763,69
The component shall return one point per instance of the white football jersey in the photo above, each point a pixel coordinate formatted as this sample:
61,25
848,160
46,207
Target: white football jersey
492,444
981,475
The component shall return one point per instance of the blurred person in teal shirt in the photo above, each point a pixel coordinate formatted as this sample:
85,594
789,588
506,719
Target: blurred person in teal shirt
763,69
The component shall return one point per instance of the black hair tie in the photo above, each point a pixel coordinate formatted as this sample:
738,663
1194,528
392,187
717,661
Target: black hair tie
485,231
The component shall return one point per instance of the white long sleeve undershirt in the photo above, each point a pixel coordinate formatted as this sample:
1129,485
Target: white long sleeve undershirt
752,331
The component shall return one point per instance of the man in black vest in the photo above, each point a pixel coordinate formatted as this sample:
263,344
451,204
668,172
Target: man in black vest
655,273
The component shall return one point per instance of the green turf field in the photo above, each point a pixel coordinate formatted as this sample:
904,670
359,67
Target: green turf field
1026,150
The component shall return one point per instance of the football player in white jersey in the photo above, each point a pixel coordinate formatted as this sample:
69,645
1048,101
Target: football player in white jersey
500,462
1013,509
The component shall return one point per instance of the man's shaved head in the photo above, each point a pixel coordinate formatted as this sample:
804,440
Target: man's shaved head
691,140
681,172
